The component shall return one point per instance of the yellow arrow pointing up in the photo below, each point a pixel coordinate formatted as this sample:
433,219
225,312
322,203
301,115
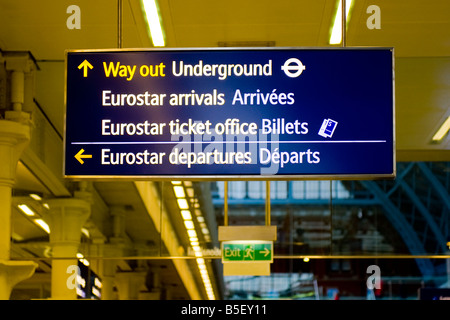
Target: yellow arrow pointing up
85,65
79,156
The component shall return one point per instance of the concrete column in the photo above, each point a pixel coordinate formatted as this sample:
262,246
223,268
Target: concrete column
14,137
107,270
130,284
153,284
21,66
118,213
115,248
66,217
108,281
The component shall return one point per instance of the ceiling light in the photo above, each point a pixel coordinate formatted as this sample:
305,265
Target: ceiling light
182,204
186,214
154,22
207,282
205,276
26,209
336,31
85,262
189,224
190,192
85,232
176,182
42,224
179,191
442,131
35,196
192,233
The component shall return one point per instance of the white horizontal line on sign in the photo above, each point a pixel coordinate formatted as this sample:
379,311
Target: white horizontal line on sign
222,142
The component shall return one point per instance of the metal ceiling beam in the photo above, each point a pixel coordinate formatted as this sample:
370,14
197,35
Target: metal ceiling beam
440,189
401,224
440,239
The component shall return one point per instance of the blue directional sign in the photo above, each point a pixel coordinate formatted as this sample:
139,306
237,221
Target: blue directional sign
274,113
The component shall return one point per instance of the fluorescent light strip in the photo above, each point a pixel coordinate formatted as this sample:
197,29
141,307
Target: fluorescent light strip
205,277
443,130
336,32
42,224
183,204
198,254
26,209
189,224
85,232
190,192
154,22
192,233
81,258
179,191
190,229
35,196
186,215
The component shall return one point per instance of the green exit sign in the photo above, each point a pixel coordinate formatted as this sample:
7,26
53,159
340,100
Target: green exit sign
247,251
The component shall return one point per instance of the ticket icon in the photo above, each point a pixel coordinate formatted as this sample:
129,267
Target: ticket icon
327,128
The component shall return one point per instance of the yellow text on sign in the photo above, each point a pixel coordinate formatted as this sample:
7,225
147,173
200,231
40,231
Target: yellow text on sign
116,69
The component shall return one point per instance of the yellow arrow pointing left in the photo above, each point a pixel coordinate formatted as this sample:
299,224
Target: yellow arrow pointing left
85,65
79,156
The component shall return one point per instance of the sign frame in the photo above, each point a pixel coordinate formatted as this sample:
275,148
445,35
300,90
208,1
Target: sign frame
248,242
231,177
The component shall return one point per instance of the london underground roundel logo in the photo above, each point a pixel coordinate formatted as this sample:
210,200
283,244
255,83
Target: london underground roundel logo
293,67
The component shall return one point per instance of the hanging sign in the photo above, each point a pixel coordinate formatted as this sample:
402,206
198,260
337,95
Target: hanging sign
230,113
245,251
